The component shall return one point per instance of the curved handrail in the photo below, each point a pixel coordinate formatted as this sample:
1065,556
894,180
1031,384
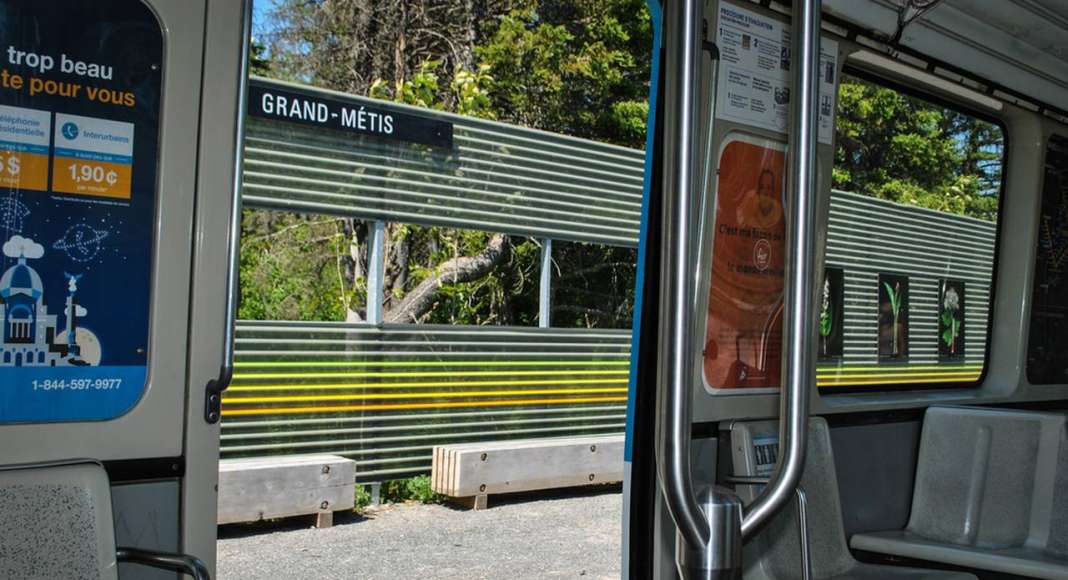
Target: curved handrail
184,563
798,361
682,23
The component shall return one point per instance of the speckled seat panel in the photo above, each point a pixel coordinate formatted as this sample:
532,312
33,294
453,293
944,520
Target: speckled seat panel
776,554
991,493
55,524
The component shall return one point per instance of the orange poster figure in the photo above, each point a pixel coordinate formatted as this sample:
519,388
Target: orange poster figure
743,340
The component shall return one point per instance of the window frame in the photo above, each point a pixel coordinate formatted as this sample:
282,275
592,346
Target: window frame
932,97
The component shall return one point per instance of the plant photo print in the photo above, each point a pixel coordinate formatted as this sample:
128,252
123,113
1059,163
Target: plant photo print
951,319
893,316
832,314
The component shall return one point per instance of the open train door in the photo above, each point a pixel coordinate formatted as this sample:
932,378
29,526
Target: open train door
731,176
120,122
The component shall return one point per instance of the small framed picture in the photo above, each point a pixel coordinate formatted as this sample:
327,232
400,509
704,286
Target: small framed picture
951,319
893,316
832,313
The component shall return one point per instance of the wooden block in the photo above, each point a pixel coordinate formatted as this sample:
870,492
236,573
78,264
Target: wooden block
475,502
278,487
324,520
470,470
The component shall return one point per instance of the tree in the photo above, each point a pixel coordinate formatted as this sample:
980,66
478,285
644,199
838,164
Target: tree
577,67
897,147
348,45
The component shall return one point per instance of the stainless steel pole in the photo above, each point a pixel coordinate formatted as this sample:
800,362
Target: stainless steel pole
799,370
709,520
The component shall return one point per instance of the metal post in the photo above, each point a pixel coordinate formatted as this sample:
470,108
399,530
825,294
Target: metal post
799,369
545,296
376,258
708,520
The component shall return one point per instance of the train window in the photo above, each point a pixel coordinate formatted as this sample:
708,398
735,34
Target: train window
911,241
1048,341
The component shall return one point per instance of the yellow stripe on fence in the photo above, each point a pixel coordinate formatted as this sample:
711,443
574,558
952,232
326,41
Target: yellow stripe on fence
397,374
885,367
416,384
459,363
416,406
899,375
876,381
434,395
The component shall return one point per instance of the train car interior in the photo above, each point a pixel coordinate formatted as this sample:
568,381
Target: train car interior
850,350
917,341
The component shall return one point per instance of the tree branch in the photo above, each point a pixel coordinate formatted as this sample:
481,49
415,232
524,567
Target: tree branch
457,270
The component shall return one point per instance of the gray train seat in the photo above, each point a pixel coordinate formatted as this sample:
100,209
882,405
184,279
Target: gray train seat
775,554
56,524
991,493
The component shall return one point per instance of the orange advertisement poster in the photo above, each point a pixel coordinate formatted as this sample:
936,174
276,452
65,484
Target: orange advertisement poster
23,169
743,337
88,177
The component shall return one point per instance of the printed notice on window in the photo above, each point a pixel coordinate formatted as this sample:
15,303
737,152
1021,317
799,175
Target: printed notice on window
754,72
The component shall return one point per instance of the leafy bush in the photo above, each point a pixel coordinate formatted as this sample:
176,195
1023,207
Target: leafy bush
362,498
416,489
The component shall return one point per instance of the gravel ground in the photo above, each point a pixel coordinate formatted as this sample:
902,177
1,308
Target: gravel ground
564,535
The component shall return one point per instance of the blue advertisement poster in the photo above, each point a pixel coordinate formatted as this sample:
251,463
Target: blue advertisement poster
79,133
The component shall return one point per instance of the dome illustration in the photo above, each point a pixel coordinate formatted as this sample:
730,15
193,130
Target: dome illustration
21,279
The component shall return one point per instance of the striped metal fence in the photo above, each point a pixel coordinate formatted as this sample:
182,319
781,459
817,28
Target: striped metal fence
868,236
497,177
386,395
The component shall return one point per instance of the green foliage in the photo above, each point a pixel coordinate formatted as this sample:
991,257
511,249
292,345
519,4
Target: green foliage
472,92
289,269
416,489
897,147
895,300
361,498
575,67
421,90
826,322
951,327
259,63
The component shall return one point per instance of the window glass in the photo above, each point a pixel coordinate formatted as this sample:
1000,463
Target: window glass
1046,362
911,241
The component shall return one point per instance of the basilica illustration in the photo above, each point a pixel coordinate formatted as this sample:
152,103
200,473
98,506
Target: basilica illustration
31,336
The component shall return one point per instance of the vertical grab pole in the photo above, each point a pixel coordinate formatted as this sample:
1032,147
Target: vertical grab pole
708,520
215,387
799,316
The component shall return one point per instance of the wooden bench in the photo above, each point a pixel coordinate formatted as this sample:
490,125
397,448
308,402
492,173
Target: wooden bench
278,487
468,473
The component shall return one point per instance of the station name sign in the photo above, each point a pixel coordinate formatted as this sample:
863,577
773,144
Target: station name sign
307,108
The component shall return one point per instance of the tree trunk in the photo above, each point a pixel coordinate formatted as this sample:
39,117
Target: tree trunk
397,267
454,271
352,263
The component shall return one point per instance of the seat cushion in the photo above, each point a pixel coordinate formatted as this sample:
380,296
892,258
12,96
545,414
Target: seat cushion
56,523
1022,561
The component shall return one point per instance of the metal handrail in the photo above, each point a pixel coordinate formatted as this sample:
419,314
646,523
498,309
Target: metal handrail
215,387
682,22
186,564
799,362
